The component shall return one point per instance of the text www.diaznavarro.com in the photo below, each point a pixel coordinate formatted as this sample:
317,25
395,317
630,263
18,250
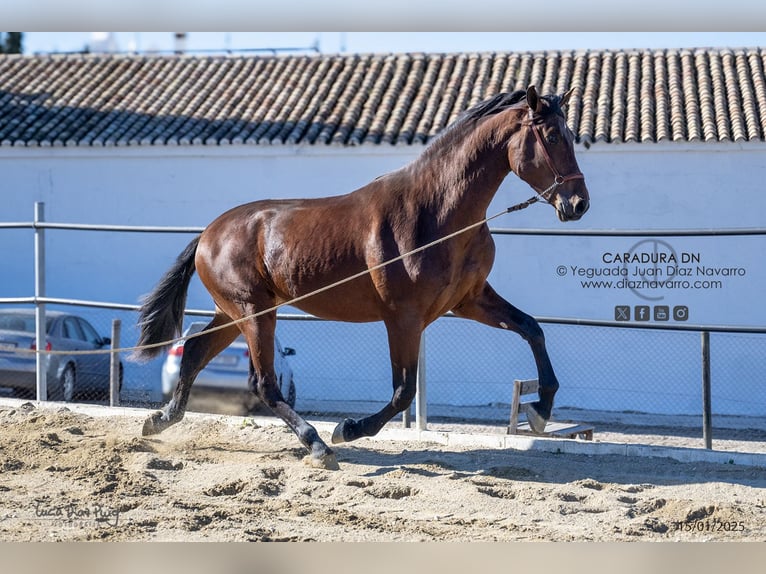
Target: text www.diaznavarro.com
651,284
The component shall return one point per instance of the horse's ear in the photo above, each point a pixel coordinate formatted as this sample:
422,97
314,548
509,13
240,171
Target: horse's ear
533,100
566,96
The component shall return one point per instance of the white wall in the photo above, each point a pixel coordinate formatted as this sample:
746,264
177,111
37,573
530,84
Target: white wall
632,187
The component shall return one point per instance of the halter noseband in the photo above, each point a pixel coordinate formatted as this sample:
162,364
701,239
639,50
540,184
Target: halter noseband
558,179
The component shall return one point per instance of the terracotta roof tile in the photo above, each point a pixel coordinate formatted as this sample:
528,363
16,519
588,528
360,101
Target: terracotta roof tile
755,62
676,95
372,99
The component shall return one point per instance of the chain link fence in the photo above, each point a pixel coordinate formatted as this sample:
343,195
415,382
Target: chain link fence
343,368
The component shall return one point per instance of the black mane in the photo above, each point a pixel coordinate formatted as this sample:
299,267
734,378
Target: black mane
505,100
494,105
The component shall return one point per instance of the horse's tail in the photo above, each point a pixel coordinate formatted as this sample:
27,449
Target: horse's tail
162,311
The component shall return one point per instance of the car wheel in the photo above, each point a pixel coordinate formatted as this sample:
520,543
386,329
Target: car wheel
68,383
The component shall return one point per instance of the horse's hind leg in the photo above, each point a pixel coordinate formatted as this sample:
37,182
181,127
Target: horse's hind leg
198,351
263,381
404,345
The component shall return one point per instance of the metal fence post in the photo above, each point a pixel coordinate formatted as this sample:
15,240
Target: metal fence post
41,360
407,417
114,366
707,410
421,418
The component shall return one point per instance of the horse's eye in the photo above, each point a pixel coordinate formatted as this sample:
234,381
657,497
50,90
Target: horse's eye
552,139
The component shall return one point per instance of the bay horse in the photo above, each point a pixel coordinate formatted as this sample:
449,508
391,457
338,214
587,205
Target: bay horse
259,255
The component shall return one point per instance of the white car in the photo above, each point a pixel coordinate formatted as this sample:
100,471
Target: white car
229,370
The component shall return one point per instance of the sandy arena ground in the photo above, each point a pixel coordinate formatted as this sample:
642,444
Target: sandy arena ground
66,475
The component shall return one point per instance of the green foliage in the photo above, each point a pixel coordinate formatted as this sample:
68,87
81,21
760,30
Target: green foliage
11,42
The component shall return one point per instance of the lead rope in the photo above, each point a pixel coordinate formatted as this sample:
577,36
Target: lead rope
513,208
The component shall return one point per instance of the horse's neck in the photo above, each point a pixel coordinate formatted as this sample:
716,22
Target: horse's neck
472,169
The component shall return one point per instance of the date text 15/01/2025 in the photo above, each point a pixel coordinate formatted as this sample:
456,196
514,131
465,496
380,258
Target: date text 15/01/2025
709,526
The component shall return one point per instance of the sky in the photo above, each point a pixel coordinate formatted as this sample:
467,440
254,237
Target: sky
385,42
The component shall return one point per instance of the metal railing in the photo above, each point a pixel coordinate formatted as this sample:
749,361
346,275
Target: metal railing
40,300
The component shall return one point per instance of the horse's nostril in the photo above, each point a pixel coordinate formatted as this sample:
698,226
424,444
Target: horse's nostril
581,207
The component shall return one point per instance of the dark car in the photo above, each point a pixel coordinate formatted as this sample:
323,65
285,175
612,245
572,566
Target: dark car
69,376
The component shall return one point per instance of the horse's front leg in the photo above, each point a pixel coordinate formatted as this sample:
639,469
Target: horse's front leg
491,309
404,346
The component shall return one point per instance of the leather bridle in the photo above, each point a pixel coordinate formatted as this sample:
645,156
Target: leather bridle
558,179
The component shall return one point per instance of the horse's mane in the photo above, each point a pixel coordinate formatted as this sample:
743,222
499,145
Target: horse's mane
493,105
489,107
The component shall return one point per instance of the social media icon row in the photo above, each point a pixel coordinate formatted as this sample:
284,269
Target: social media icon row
646,313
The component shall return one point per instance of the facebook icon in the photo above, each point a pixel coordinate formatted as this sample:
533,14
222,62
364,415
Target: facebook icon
642,312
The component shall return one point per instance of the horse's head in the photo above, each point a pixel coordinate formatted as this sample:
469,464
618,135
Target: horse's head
545,158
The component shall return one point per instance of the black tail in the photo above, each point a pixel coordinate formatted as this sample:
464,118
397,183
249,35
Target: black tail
162,312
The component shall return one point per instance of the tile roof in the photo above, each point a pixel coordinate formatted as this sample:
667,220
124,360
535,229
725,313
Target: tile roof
363,99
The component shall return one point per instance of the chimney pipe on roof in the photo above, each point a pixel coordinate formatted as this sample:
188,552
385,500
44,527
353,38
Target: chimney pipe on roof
180,42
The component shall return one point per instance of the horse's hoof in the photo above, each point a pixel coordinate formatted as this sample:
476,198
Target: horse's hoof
151,424
536,422
340,434
325,461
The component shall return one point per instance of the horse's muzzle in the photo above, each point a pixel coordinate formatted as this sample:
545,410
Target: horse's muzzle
572,209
